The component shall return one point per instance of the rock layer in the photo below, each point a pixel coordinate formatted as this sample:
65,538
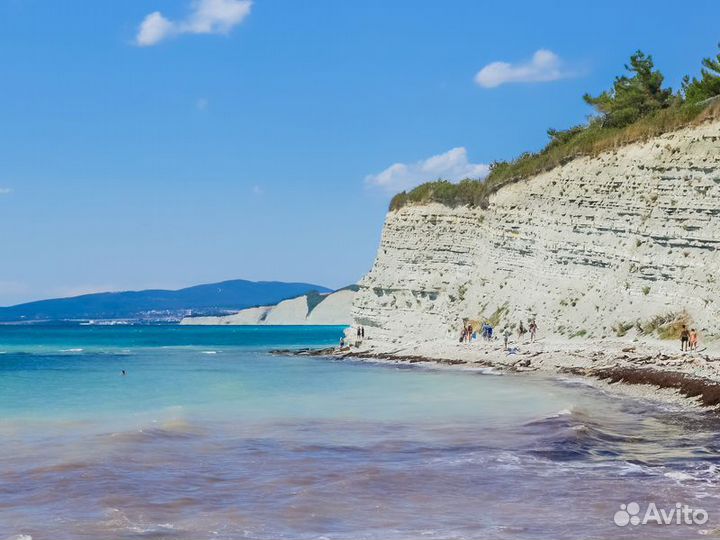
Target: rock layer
596,248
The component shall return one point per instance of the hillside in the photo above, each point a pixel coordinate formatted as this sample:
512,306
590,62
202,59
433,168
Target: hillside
213,298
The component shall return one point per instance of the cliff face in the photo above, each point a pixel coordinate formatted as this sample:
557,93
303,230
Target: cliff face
586,249
332,309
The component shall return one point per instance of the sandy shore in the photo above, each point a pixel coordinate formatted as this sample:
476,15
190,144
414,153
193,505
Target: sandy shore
652,370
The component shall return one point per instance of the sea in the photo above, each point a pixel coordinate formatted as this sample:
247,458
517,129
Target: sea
209,435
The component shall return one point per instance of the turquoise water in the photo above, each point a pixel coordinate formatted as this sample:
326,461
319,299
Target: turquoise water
208,435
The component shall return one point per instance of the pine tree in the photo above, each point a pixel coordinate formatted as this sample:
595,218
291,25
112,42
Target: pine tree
632,97
709,83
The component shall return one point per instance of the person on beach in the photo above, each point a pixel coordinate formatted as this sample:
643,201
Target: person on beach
342,342
506,335
533,330
684,338
521,330
489,332
693,340
362,332
465,333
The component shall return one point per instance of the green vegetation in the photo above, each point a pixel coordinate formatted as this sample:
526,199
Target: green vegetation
636,108
666,326
462,290
634,97
313,299
465,193
708,86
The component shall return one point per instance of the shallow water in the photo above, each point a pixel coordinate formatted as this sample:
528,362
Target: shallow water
210,436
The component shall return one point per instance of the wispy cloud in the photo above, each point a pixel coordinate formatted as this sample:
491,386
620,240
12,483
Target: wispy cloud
202,104
5,190
544,66
205,17
452,165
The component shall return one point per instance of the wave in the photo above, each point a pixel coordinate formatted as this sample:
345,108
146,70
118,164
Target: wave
66,353
117,520
573,438
170,430
679,476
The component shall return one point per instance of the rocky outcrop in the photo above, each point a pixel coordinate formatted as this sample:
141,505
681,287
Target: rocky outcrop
315,309
597,247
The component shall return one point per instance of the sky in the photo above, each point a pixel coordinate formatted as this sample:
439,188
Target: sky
166,143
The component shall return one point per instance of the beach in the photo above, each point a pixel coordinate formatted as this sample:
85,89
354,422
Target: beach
654,370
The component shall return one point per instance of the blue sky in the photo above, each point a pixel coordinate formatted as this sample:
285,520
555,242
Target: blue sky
164,143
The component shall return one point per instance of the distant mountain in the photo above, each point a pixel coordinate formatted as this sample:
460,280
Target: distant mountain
160,305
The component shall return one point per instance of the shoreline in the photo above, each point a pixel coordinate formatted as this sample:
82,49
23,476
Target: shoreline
642,370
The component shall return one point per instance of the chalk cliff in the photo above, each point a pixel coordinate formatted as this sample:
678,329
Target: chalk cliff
315,309
597,247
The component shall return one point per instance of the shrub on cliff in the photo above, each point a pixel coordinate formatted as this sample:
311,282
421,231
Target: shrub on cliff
467,192
666,325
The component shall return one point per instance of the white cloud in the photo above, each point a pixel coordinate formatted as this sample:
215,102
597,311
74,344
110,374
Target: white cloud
206,17
5,190
453,165
216,16
545,66
154,29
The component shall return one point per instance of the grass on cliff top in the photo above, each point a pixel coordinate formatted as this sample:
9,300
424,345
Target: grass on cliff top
588,141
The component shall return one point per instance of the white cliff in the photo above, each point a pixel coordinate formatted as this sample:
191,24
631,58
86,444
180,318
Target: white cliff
292,311
248,316
595,248
334,309
326,309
